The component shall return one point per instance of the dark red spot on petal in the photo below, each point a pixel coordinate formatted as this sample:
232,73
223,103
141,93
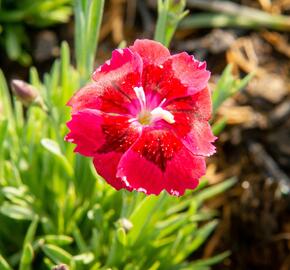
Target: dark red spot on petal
119,135
160,82
157,146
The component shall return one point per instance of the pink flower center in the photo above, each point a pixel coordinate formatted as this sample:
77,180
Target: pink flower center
147,116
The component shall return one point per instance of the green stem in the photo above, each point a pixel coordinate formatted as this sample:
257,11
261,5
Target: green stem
232,14
88,19
161,21
209,20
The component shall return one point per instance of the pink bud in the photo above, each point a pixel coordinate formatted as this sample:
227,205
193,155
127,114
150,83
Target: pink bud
27,94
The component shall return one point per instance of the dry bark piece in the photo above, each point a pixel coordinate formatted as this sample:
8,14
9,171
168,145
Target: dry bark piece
242,115
269,86
263,159
280,42
217,41
280,114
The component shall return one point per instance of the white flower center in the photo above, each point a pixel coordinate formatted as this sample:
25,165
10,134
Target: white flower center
146,117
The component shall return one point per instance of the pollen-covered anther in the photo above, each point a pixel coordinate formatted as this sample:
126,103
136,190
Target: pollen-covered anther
159,113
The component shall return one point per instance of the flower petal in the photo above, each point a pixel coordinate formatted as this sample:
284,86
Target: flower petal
95,132
151,52
112,90
199,105
191,115
106,165
191,72
184,172
158,160
179,76
199,139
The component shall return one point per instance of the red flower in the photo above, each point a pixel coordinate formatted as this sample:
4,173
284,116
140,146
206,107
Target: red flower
144,119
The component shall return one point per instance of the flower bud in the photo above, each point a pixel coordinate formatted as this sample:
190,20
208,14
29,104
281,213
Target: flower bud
126,224
27,94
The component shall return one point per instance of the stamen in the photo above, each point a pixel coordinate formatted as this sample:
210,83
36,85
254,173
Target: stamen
132,120
141,96
159,113
162,102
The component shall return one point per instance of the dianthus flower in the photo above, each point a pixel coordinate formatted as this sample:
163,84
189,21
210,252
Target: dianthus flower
144,119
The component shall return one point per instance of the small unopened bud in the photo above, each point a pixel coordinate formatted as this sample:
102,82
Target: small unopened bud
126,224
27,94
60,267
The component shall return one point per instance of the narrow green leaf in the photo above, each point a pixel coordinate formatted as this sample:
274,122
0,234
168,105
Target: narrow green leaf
29,237
211,261
142,215
94,20
26,258
4,264
16,212
213,190
51,146
59,240
65,69
3,130
7,108
49,264
227,86
155,266
57,254
199,238
88,16
79,240
170,13
13,41
84,258
243,83
219,126
122,237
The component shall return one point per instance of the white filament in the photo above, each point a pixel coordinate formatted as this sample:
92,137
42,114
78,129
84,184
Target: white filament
139,91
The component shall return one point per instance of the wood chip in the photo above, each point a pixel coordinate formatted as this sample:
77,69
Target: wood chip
280,42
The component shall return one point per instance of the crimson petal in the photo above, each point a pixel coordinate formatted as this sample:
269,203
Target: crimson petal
106,165
151,52
179,76
191,115
190,72
158,160
95,132
112,90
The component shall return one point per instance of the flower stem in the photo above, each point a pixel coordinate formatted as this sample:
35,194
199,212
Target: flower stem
170,13
88,16
229,14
